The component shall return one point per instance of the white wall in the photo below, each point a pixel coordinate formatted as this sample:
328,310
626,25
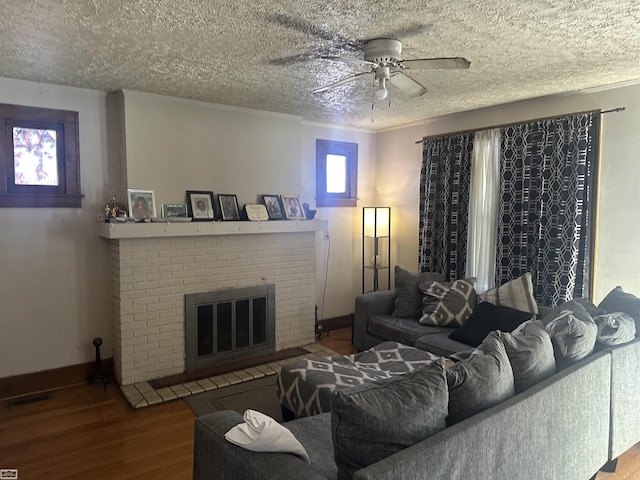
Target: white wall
54,285
398,161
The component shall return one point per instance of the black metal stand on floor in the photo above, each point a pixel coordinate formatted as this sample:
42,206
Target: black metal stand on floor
98,372
319,330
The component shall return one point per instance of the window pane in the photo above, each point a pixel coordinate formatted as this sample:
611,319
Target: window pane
336,173
35,160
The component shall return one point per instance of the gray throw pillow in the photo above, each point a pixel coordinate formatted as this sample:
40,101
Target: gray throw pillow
516,293
455,304
614,329
573,339
408,300
369,422
576,307
483,380
530,353
619,301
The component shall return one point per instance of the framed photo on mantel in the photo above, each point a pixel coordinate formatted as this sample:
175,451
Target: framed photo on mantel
200,205
229,207
142,204
274,208
293,207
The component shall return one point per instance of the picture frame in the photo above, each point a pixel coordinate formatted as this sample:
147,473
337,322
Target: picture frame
142,204
292,207
200,205
274,207
172,210
228,207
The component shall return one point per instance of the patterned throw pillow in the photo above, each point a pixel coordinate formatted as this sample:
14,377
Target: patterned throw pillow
516,293
456,303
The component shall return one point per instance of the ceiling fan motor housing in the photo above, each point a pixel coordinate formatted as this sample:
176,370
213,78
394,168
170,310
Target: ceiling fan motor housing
384,51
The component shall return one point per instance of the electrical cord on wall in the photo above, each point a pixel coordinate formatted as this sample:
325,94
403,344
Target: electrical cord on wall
326,275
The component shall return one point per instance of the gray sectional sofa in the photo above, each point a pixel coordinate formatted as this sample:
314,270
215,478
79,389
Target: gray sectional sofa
567,426
507,415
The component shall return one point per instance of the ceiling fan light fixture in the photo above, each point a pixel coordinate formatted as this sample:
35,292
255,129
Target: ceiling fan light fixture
381,91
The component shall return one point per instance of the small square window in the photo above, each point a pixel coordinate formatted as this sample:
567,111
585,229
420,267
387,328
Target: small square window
336,173
40,165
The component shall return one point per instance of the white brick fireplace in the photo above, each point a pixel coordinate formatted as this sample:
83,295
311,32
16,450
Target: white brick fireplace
154,265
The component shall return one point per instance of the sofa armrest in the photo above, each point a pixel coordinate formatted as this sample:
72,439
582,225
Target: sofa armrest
214,457
372,303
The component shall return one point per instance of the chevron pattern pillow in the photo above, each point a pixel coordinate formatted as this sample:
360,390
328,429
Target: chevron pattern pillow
456,303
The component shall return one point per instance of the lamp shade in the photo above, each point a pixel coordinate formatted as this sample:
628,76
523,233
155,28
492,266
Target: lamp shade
376,221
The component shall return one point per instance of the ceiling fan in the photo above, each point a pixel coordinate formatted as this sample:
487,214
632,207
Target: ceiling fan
384,57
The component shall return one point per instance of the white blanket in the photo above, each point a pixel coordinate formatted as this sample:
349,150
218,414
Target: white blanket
261,433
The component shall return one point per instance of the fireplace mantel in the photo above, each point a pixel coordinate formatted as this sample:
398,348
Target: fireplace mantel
190,229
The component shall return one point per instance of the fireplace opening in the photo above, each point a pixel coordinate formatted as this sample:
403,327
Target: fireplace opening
227,325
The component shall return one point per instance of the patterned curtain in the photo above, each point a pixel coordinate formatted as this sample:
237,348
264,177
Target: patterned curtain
545,212
445,178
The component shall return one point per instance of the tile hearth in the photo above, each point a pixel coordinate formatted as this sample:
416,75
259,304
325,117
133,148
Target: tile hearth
142,394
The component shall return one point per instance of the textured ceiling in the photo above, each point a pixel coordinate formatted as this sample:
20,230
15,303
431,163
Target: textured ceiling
227,51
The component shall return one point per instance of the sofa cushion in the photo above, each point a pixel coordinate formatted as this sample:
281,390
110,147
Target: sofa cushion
455,303
487,317
314,433
363,429
481,381
619,301
530,353
516,293
408,300
402,330
572,338
614,329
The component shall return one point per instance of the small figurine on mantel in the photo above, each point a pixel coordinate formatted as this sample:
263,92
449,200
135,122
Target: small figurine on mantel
113,209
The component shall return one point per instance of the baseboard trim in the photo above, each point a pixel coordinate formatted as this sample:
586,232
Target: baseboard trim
55,379
335,323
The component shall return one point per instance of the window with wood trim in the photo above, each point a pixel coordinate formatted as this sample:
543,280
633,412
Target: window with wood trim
40,164
336,173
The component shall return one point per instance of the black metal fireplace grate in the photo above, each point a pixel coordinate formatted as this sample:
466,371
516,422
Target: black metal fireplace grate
228,325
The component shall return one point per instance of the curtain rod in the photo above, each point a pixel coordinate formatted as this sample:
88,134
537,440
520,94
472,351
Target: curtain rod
613,110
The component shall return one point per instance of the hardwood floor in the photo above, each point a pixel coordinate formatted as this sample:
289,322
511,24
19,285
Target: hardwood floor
83,432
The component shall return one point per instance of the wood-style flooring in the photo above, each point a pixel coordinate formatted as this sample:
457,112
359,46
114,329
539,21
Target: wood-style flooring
86,433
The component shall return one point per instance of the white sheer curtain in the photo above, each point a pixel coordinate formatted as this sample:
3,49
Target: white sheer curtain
483,209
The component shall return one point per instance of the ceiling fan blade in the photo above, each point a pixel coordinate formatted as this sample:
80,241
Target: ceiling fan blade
407,84
407,31
338,83
357,61
436,63
299,57
309,28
